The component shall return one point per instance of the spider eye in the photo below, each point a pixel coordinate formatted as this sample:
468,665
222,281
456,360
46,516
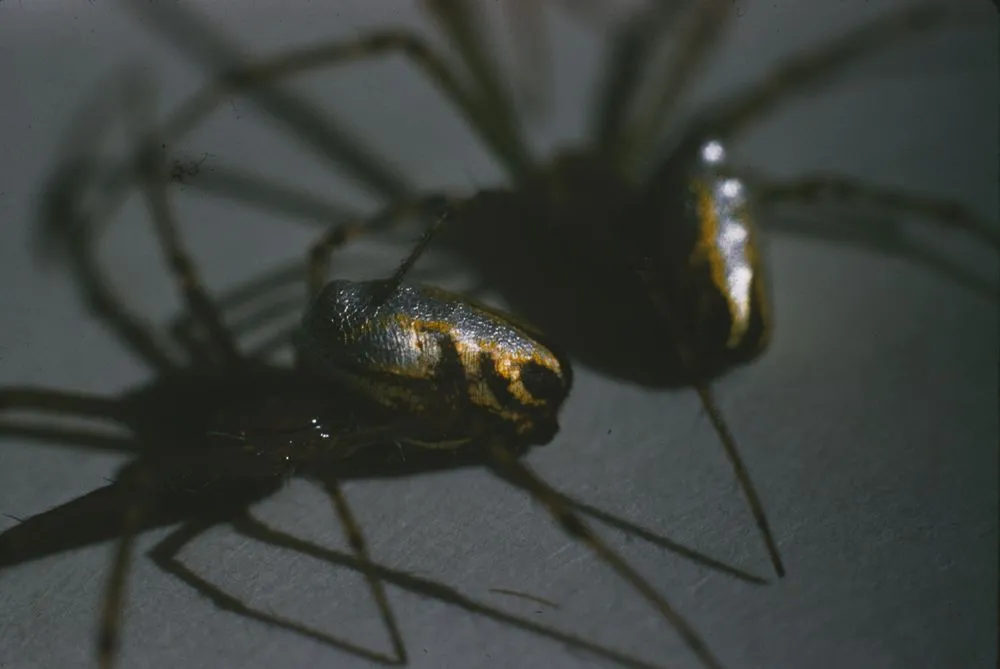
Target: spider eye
541,382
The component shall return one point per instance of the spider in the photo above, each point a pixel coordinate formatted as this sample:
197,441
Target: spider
391,378
815,456
645,228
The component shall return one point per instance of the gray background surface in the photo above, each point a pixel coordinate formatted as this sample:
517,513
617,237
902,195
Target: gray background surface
870,427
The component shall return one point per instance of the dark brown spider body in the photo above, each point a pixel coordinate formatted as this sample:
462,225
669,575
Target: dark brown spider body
633,267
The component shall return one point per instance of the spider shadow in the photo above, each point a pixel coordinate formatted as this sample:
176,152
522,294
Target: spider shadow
96,517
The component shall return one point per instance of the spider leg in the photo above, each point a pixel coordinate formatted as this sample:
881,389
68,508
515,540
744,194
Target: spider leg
338,235
254,529
700,31
838,189
155,177
279,280
532,49
235,76
707,399
59,401
136,481
287,201
742,474
533,70
625,69
179,260
507,467
360,547
62,216
818,65
71,438
464,26
319,132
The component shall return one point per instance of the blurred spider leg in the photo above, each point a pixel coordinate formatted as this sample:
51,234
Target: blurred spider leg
264,194
360,547
273,344
155,177
196,347
625,68
164,555
60,402
835,188
179,260
818,65
63,216
888,242
69,438
317,130
136,482
254,529
464,27
697,37
338,235
245,78
284,278
510,469
533,52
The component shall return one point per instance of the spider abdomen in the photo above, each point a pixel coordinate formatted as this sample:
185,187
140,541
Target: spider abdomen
436,356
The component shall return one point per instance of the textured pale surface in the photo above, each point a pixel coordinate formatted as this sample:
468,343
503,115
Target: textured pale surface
870,427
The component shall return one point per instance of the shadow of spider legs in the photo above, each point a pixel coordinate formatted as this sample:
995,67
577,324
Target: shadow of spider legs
93,518
144,477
